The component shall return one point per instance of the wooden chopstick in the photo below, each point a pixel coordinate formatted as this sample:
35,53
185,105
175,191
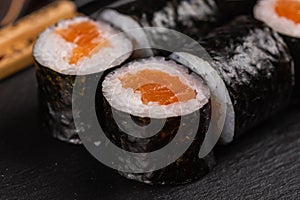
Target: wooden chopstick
16,40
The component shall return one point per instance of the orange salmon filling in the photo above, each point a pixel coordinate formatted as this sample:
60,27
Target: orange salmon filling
87,38
154,92
289,9
157,86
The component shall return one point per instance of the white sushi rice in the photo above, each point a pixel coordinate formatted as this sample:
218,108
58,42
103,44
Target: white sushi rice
222,121
129,101
52,51
132,29
265,12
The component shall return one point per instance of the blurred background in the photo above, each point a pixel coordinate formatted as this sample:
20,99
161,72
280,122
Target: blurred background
11,10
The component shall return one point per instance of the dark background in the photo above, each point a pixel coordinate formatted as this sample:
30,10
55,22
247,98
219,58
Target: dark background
263,164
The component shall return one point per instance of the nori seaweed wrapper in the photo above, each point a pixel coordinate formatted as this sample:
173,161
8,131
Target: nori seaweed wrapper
195,18
233,8
294,46
256,66
192,17
55,102
186,168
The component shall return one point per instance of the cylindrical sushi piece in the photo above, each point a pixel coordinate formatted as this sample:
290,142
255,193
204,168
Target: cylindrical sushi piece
284,17
78,46
144,105
256,66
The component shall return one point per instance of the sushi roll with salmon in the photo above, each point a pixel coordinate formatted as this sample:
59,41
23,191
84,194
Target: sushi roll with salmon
81,47
157,101
257,68
74,47
248,79
284,17
250,73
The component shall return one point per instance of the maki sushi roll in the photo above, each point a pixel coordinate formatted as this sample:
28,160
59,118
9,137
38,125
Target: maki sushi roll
74,47
255,67
284,17
156,101
81,47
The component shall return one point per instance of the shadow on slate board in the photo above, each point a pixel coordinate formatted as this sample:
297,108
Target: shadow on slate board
263,164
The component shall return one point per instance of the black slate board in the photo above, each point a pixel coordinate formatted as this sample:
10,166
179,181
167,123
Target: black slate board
264,164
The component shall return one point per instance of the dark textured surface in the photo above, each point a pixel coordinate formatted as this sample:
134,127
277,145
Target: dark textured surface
264,164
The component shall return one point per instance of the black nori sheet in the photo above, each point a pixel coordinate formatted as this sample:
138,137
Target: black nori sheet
194,18
294,46
256,66
169,14
185,169
55,102
233,8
